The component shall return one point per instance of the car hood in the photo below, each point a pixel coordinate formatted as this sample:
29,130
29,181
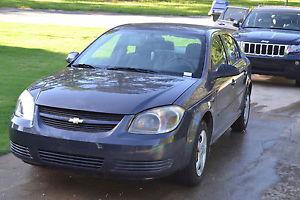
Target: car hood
274,36
109,91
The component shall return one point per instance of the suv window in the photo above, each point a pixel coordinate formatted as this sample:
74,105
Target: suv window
218,56
232,13
232,49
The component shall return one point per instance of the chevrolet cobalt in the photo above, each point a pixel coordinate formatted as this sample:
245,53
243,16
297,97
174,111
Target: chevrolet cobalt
142,101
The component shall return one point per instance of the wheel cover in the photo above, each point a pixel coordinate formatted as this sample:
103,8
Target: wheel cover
247,109
201,152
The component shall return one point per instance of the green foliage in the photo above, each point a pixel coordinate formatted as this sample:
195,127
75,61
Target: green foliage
29,52
151,7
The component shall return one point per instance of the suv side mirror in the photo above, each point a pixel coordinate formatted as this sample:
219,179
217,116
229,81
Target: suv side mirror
226,71
71,57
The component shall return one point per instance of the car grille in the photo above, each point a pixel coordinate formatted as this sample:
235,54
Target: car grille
86,121
274,50
149,166
20,150
70,160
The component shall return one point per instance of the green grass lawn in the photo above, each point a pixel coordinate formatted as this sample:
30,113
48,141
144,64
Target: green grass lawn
151,7
29,52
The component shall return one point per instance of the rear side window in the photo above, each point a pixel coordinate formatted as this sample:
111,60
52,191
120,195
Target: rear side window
218,55
232,49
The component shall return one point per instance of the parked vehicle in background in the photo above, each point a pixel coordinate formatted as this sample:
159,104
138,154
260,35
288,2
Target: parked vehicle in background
232,17
270,37
217,8
142,101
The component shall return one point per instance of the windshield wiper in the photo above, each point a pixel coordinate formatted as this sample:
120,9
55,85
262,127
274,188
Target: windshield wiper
132,69
83,65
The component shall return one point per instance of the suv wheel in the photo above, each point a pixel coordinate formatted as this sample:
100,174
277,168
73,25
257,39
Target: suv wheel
192,174
241,123
297,83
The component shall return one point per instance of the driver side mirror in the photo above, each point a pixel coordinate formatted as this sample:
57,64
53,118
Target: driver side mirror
72,56
226,70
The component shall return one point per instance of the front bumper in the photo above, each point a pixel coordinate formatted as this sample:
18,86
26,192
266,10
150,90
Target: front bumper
142,157
288,67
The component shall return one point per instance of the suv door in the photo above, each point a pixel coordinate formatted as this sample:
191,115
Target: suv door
224,96
239,82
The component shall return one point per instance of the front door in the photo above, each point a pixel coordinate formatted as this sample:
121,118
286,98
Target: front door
223,89
239,82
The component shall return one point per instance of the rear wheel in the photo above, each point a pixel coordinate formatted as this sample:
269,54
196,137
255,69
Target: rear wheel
297,83
241,123
193,173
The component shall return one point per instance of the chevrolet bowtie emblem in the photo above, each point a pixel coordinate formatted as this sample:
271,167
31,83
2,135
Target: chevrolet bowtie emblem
75,120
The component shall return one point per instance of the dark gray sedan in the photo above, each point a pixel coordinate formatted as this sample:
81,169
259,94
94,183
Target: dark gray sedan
142,101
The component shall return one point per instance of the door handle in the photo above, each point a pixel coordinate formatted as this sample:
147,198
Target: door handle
233,82
213,99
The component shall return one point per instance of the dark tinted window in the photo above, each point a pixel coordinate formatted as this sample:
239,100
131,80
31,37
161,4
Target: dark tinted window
232,50
218,56
278,19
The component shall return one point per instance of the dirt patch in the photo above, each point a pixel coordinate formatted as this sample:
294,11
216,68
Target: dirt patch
288,187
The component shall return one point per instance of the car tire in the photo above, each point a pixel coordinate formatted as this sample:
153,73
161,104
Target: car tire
192,174
297,83
241,123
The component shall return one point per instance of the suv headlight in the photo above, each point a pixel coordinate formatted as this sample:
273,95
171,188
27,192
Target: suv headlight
157,120
25,106
291,49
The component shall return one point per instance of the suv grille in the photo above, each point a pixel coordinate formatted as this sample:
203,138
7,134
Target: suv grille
86,121
274,50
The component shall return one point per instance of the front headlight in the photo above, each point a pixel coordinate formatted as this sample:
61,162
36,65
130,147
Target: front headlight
293,49
25,106
157,120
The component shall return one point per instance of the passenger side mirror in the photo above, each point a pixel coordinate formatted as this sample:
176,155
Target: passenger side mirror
236,24
226,71
71,57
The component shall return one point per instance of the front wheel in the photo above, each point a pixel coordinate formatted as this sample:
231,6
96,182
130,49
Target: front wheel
241,123
193,173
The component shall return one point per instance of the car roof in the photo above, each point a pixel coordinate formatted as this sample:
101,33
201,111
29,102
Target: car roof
281,8
189,28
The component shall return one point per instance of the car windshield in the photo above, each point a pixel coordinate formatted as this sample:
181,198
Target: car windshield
153,51
275,19
237,14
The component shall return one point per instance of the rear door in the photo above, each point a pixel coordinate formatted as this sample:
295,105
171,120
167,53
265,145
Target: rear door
238,82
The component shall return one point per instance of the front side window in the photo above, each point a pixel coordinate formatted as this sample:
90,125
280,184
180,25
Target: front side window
218,55
155,50
232,49
276,19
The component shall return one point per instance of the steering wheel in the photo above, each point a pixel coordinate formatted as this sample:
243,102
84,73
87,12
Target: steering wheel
181,63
